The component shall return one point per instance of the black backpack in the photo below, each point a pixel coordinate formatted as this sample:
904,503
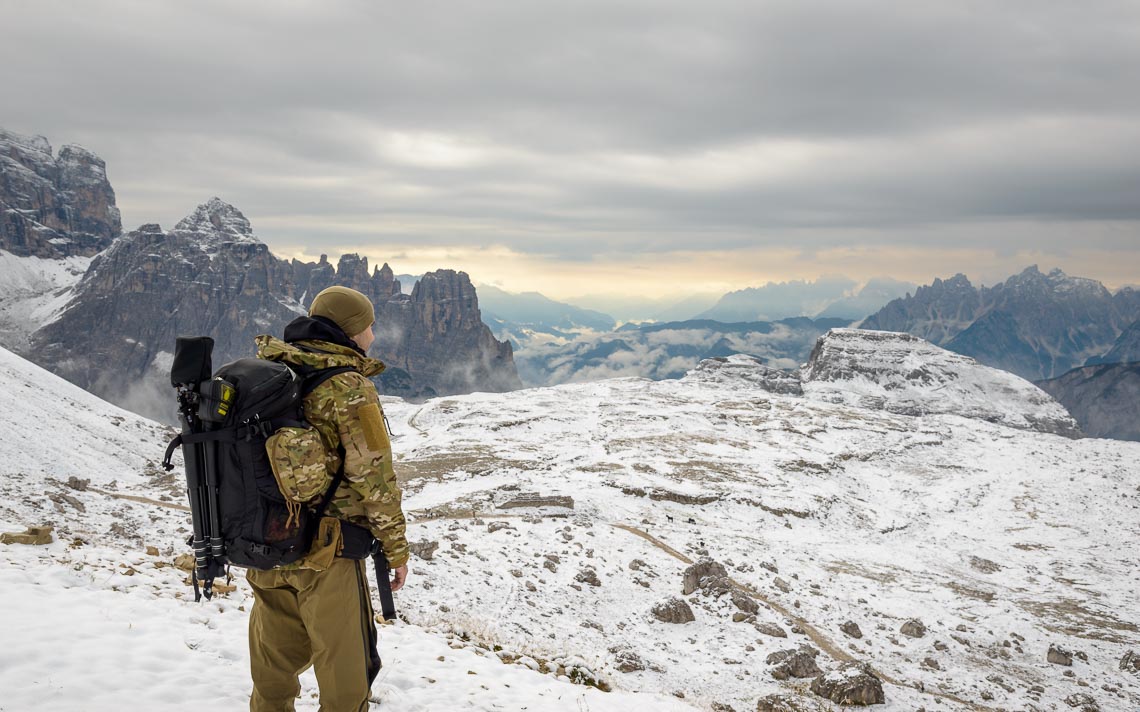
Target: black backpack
239,512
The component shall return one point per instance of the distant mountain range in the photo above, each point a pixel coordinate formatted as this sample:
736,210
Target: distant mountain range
827,297
103,309
1034,324
531,317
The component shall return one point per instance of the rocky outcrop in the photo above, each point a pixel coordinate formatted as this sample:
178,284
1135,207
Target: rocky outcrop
853,683
54,206
1037,325
1104,399
904,374
749,370
210,275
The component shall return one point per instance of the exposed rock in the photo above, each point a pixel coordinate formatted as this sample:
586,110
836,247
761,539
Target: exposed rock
33,536
1059,656
497,526
588,576
673,610
210,275
931,664
903,374
851,629
423,549
984,565
771,629
696,573
913,628
184,562
780,702
533,499
628,661
54,206
1082,701
794,662
750,370
1130,662
739,617
782,585
77,484
744,602
853,683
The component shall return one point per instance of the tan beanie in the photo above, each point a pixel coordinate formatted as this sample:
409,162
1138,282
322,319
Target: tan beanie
350,309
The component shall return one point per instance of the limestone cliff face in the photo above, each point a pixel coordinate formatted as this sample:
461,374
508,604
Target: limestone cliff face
54,206
211,276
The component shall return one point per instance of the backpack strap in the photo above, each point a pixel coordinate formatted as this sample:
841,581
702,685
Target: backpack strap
313,377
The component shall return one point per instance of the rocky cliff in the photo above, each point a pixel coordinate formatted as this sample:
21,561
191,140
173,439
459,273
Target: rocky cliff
1104,399
1034,324
904,374
210,275
54,205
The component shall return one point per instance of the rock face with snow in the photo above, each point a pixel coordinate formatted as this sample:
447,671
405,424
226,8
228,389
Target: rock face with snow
54,205
1034,324
1105,399
904,374
749,369
210,275
1125,350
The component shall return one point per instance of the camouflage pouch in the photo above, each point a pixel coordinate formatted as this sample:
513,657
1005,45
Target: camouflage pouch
326,545
300,463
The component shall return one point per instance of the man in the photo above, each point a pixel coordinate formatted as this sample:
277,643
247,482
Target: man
318,611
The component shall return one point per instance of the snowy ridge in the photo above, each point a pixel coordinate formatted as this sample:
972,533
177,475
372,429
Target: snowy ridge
904,374
126,616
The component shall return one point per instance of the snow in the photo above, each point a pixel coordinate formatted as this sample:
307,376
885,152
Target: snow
33,292
979,529
905,374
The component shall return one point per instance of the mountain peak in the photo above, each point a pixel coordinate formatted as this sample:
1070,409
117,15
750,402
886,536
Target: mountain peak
217,217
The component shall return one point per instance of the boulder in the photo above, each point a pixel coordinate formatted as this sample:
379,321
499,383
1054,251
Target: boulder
673,610
771,629
913,628
1130,662
851,629
744,602
34,536
794,662
853,683
423,549
1059,656
1083,702
779,702
698,572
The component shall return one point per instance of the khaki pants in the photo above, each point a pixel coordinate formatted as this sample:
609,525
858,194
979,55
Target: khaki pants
303,617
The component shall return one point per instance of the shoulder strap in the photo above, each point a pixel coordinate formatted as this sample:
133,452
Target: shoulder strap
315,377
338,478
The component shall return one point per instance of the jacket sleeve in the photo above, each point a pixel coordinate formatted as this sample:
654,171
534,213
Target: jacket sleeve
376,498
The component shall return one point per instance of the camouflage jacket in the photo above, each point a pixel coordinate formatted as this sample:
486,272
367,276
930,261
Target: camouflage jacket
346,411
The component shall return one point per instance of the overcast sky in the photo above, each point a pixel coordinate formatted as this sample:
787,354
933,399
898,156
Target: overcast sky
643,147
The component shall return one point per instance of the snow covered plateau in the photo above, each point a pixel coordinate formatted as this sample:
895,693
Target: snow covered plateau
949,546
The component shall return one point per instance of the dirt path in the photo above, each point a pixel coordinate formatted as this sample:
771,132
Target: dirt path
821,641
141,500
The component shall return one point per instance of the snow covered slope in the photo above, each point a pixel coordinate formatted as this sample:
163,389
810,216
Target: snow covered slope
1001,541
101,620
548,524
904,374
33,290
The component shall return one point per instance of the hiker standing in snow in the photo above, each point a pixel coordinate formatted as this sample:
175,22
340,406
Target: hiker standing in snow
318,610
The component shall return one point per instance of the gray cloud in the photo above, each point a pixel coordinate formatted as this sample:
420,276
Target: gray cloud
593,129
